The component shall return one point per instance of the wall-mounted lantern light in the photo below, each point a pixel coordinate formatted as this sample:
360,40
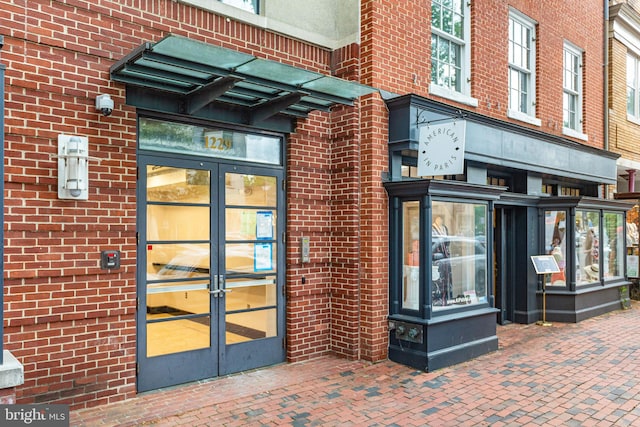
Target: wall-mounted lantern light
73,167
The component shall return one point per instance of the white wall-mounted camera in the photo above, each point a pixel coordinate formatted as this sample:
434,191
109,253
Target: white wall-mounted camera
104,104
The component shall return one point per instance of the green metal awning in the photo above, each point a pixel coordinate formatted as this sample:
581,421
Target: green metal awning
185,76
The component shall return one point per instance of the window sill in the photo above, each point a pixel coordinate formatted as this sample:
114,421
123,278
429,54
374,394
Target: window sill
11,371
228,10
452,95
517,115
633,119
275,24
575,134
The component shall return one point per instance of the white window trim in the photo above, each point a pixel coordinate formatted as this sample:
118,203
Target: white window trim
519,115
452,95
635,118
273,24
530,116
228,10
575,133
464,96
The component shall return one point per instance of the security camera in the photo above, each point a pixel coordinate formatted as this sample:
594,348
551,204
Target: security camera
104,103
1,42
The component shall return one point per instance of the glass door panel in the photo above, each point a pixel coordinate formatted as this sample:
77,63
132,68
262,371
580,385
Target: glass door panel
178,260
209,273
249,224
251,257
246,189
165,222
167,184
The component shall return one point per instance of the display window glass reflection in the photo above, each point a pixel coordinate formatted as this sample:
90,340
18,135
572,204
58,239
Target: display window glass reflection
587,247
555,229
613,245
458,255
411,259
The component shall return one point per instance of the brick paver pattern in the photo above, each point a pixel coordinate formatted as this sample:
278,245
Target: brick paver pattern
585,374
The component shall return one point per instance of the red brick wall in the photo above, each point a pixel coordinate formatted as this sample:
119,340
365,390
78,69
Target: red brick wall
396,46
309,215
8,396
396,57
71,324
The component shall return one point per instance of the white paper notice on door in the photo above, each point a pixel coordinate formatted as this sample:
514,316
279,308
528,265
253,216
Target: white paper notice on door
264,225
263,256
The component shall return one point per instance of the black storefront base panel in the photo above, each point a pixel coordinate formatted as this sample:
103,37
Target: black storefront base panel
584,303
443,341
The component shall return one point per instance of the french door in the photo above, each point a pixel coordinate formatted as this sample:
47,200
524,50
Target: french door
210,269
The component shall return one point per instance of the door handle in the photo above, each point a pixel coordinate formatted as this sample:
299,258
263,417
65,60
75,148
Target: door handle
222,287
216,287
217,292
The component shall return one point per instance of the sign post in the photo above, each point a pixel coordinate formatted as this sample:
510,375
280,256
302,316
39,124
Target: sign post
544,265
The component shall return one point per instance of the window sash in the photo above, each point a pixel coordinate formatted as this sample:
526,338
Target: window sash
572,89
570,111
519,91
446,59
520,42
449,45
632,86
521,65
448,17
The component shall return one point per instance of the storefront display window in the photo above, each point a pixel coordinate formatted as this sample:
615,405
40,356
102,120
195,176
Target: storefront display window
587,246
555,227
633,252
458,254
614,246
411,262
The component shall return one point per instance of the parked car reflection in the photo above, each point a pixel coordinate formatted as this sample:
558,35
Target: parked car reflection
459,270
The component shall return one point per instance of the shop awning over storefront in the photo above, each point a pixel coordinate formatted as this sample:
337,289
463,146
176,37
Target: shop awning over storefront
184,76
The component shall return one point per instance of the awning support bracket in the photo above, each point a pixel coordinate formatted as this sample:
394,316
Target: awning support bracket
208,93
274,106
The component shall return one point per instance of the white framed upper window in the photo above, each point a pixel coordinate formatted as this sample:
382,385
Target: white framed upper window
572,89
247,5
633,87
522,57
451,50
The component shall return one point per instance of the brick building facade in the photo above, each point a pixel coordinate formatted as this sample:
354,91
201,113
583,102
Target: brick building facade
81,331
623,125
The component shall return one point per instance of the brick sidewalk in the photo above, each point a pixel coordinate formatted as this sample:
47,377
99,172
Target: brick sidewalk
585,374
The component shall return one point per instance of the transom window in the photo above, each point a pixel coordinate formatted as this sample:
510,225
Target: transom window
521,65
632,87
548,189
572,89
450,48
570,191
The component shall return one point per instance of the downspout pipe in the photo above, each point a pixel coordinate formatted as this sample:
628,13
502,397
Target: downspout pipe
2,68
606,74
605,71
